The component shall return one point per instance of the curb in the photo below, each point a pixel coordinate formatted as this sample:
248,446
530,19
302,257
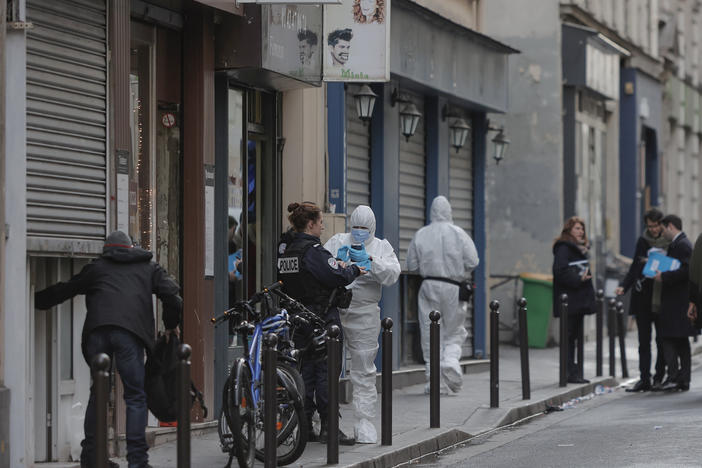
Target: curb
451,437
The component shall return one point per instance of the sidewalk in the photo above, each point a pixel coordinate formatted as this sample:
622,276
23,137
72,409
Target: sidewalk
463,415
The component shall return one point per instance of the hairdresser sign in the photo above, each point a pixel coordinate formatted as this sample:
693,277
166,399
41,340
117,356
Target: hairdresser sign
357,40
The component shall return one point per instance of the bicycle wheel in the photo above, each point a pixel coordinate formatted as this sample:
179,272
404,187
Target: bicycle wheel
242,415
291,420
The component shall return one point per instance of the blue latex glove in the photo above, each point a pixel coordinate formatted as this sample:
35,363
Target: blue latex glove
367,264
358,255
343,253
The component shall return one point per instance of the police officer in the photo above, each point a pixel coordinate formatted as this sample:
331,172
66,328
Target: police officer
311,274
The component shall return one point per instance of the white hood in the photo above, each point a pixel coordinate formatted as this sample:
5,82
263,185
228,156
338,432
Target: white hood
441,210
363,216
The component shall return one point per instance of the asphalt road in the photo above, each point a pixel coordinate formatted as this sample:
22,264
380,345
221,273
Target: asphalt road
611,430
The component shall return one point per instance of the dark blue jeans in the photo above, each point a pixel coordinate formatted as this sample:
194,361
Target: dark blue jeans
128,354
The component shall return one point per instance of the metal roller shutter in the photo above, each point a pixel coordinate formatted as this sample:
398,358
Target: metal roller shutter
67,119
412,182
357,156
461,198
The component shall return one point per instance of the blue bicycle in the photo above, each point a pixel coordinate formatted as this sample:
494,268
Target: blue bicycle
241,421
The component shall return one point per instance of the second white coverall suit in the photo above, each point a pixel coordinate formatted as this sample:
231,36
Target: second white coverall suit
361,321
444,250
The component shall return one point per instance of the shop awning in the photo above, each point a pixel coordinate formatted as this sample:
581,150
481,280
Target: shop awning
439,54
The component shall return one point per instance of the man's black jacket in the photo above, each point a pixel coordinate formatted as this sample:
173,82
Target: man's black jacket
118,288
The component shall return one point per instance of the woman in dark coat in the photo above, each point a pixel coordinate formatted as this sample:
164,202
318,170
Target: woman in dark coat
571,275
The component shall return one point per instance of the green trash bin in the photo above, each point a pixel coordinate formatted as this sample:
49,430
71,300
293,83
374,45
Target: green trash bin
538,291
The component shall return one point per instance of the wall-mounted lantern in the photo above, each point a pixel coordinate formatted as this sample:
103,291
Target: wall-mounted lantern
458,133
365,101
501,143
409,114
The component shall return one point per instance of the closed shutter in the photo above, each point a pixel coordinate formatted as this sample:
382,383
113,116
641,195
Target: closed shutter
412,182
461,198
357,156
67,119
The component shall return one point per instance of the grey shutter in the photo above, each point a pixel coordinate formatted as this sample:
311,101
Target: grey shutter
67,119
412,182
461,198
357,156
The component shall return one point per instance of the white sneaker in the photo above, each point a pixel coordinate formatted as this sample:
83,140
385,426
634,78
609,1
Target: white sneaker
365,432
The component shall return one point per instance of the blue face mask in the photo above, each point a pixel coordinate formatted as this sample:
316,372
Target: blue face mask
360,235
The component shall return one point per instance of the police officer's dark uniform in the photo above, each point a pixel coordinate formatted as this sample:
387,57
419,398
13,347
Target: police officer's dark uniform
310,274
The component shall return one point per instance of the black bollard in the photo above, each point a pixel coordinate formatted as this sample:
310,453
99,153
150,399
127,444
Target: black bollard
270,404
101,380
333,371
434,369
621,328
598,331
184,405
612,333
494,354
386,402
563,342
524,348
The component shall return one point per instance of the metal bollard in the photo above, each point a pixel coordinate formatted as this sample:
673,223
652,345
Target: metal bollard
434,369
494,354
184,405
621,328
386,402
101,380
598,331
270,404
524,348
563,367
333,371
612,333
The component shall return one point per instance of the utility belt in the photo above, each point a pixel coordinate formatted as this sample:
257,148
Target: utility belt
340,297
465,288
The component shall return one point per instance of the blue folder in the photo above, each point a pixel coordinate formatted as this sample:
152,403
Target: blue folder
659,262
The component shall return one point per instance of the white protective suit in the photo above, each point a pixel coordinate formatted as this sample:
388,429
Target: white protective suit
361,321
444,250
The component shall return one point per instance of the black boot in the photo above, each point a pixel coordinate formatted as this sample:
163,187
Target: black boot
643,385
343,438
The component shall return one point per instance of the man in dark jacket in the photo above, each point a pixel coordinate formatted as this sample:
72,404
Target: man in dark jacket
673,325
646,300
118,287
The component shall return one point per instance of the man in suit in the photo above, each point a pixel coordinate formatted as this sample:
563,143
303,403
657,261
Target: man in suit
646,300
673,325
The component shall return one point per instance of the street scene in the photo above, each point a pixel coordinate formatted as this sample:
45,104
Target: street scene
366,233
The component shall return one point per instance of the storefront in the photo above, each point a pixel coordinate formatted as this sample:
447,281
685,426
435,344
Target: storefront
639,149
399,175
590,131
265,51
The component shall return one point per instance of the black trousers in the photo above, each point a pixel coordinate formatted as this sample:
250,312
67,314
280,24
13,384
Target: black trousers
314,369
644,324
575,331
674,349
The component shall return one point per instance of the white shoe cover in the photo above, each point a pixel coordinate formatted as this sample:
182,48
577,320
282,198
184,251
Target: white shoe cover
365,432
451,372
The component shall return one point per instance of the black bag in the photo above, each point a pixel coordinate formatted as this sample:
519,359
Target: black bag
465,287
342,298
161,381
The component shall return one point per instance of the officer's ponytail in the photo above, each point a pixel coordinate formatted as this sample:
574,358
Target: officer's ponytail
302,213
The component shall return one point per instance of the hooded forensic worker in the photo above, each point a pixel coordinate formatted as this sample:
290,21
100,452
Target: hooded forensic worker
443,251
361,321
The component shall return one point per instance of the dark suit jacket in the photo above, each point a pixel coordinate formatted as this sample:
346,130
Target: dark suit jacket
673,321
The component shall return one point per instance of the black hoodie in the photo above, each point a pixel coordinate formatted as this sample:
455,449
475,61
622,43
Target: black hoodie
118,287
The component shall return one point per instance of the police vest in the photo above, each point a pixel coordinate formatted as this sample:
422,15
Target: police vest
297,280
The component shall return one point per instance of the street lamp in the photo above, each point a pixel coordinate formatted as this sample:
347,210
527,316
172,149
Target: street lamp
365,101
458,132
501,143
409,118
